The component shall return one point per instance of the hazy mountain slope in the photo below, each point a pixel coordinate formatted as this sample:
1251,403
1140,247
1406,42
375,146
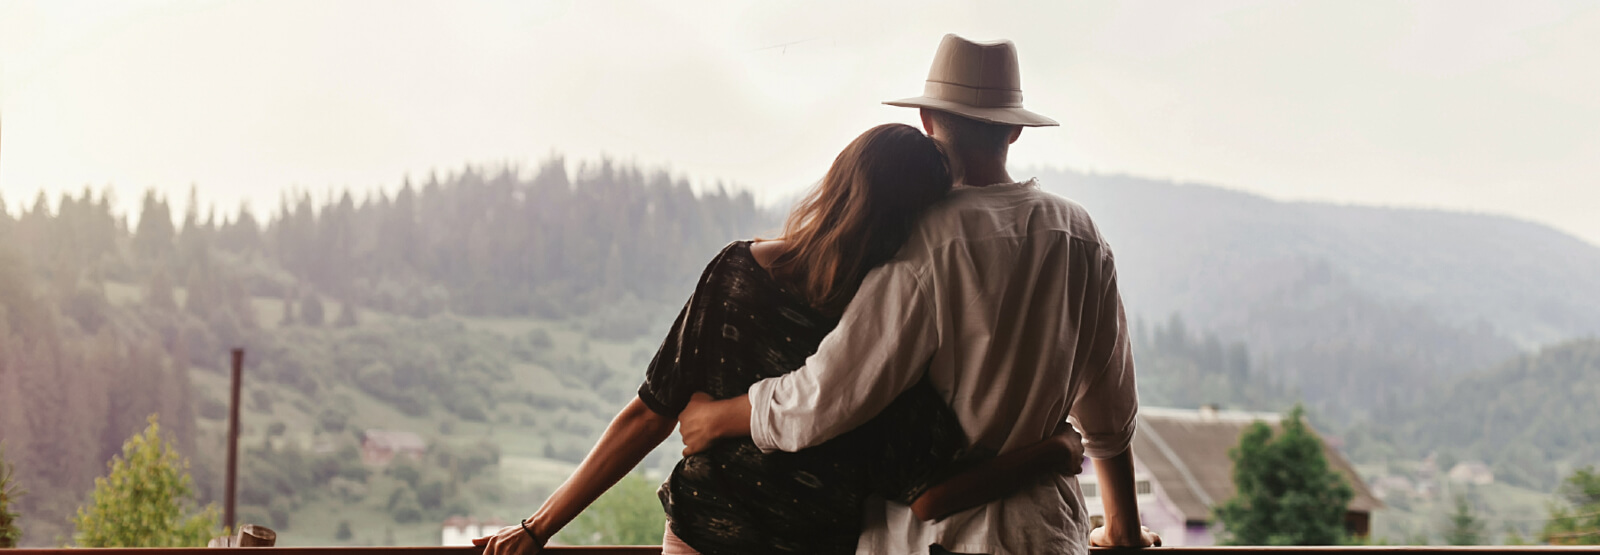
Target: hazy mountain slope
1358,308
1180,245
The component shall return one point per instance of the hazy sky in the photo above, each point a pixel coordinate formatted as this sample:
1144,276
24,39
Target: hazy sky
1483,106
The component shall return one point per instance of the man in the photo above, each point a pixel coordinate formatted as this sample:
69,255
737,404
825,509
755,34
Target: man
1006,298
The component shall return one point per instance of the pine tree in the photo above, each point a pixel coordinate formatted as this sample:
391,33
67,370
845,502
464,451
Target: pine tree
158,292
1463,527
141,502
10,532
153,241
347,315
311,311
1286,494
288,309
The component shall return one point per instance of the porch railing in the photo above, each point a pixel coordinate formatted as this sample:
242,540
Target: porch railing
656,550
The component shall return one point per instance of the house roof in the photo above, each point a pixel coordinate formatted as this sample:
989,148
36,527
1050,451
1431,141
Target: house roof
1186,452
397,441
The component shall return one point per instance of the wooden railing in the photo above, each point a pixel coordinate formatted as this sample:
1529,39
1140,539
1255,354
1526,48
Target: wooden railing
656,550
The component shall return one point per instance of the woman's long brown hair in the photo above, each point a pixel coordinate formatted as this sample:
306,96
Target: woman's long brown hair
861,213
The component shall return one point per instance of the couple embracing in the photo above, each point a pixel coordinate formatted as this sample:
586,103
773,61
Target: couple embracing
919,364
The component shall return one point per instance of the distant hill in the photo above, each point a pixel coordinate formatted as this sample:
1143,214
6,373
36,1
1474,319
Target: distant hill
1181,244
1356,307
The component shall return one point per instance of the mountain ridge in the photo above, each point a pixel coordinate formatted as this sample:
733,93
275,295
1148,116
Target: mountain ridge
1133,212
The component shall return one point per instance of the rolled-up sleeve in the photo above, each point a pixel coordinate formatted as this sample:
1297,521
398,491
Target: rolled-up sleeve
1106,409
880,348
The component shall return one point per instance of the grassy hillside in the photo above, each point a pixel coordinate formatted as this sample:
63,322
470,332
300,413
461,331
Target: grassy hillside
554,386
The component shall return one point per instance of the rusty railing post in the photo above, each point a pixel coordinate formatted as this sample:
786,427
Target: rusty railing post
230,487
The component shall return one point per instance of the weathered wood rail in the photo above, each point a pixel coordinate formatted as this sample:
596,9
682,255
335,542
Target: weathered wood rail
656,550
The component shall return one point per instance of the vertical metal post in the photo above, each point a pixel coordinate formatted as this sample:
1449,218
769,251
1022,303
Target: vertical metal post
231,486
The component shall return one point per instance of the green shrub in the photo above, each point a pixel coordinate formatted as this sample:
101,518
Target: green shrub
140,502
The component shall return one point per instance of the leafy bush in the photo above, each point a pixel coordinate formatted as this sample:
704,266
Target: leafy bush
279,512
404,507
10,532
333,420
405,472
211,409
140,503
431,494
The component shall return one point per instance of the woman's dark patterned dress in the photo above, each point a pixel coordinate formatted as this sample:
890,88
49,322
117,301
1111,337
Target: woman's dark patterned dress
740,326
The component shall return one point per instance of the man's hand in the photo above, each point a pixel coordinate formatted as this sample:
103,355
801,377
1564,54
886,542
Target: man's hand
511,540
1069,447
706,420
1099,537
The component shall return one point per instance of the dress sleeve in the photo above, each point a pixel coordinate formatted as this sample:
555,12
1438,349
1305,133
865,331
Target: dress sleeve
669,382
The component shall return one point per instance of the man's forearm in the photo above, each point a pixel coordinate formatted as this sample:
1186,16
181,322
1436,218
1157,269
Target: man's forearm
1116,492
735,417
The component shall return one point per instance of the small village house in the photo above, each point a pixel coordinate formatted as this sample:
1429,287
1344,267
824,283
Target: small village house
1471,472
379,447
1182,470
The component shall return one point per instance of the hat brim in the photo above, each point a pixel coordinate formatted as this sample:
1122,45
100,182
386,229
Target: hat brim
1003,116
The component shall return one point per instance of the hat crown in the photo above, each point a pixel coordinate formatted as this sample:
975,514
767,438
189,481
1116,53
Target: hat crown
976,80
978,65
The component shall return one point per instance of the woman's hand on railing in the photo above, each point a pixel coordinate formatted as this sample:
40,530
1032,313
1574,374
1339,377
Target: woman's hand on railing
511,540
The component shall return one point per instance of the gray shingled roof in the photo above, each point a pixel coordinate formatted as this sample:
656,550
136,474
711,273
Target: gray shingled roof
1186,452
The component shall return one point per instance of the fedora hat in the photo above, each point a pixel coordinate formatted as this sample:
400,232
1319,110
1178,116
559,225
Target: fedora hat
977,80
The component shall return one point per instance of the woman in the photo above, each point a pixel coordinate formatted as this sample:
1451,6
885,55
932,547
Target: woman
758,311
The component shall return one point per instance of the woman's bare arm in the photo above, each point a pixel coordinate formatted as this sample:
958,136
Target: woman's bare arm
632,434
1000,476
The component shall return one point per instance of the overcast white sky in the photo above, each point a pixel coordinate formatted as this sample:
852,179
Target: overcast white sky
1483,106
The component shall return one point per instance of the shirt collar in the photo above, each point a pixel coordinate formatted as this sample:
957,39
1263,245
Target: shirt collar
1030,182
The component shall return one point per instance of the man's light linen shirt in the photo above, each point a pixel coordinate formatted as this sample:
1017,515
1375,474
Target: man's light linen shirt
1006,297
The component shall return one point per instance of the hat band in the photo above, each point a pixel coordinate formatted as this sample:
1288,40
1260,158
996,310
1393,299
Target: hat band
973,96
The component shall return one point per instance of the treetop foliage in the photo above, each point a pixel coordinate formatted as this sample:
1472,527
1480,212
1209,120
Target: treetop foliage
10,532
1463,527
141,502
1285,492
1579,523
